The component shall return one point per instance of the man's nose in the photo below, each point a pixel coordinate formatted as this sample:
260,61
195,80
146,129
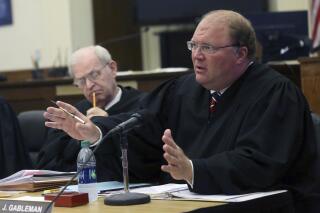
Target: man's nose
197,53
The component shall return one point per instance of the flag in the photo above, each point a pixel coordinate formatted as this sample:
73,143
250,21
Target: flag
315,23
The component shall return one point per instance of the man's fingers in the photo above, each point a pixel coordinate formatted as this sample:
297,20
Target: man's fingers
54,125
171,150
70,108
171,159
167,168
66,106
167,138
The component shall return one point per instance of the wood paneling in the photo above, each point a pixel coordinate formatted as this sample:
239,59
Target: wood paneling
36,94
310,81
113,20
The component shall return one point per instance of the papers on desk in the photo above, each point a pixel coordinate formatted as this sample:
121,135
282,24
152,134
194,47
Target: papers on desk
161,191
34,180
109,186
186,194
181,192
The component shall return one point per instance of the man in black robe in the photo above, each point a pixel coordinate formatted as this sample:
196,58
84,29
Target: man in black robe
94,72
13,152
234,126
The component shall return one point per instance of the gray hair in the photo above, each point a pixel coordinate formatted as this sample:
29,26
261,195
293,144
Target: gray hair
102,54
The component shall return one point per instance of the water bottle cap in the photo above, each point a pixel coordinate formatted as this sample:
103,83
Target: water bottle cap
85,144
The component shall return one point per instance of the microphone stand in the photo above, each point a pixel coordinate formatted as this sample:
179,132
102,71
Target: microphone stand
126,198
137,199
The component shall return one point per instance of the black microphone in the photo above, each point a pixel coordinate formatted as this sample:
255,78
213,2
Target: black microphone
135,120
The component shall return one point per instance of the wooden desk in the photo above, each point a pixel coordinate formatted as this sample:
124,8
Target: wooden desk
274,203
155,206
310,81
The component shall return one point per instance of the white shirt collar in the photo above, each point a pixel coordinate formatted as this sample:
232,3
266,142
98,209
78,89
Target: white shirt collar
115,100
220,92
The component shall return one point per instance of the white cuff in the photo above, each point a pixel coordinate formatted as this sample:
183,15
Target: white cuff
99,140
191,184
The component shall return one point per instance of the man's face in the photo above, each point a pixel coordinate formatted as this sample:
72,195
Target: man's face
93,77
214,67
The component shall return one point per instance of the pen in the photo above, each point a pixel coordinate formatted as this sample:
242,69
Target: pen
69,113
49,191
94,99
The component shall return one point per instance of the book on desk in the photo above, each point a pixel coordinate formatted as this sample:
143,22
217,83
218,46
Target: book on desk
35,180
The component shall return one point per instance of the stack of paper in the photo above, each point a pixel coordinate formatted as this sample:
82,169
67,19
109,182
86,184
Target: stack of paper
35,180
109,187
161,191
181,192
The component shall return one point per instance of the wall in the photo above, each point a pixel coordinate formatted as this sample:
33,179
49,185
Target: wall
51,27
82,27
150,40
57,27
288,5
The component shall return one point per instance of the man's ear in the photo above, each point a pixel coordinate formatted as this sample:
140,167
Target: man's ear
114,67
242,54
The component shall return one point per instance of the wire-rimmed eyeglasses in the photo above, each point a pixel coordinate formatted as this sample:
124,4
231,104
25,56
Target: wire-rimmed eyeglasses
93,75
207,48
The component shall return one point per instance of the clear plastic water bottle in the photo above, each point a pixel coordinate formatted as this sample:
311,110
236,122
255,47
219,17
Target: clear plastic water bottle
87,179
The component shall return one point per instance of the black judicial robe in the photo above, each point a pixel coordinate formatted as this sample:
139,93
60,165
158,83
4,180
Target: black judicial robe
260,136
13,153
60,150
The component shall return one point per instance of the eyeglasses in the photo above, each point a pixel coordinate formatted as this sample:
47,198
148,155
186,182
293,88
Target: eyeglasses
94,75
207,48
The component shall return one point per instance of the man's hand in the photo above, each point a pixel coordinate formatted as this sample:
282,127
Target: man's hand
179,165
96,111
56,118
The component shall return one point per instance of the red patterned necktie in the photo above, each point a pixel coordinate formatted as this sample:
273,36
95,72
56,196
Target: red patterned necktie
215,97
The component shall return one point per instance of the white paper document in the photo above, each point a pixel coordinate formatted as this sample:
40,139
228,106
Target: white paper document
161,191
186,194
181,192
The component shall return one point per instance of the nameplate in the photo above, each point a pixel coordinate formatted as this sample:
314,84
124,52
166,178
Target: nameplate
21,206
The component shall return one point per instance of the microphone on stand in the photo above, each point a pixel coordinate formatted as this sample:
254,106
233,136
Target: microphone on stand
135,120
127,198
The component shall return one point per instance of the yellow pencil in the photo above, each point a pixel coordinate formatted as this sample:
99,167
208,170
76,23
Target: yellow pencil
94,99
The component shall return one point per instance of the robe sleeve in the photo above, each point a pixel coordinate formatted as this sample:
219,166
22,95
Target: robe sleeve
145,153
59,152
269,142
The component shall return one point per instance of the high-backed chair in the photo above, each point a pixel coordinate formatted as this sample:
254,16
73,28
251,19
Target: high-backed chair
33,132
13,152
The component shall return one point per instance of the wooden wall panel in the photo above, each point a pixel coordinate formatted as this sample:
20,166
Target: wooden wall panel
114,19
